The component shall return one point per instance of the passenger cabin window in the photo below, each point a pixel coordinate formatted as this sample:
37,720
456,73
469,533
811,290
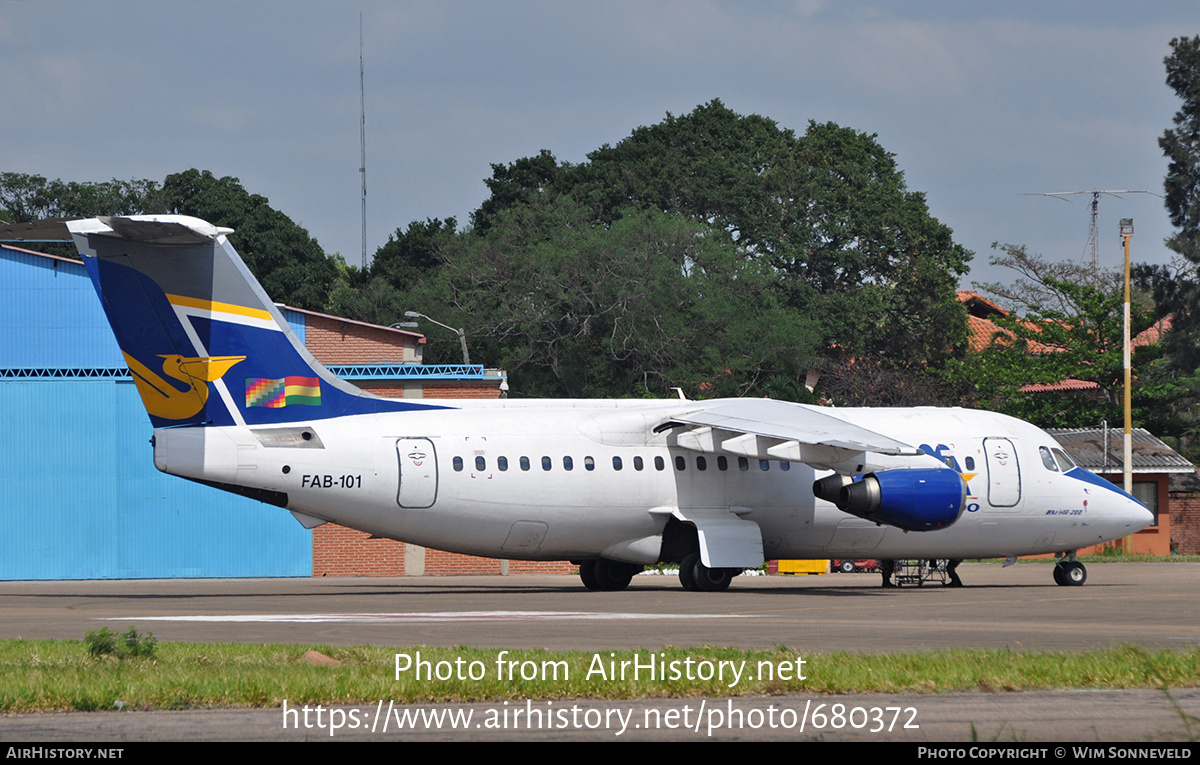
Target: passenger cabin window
659,464
764,464
524,463
743,463
970,462
785,466
502,463
545,463
458,464
1047,458
701,463
589,463
680,463
568,463
617,463
638,464
722,463
480,464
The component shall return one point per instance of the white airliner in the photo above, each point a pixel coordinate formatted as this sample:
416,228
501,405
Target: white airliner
718,486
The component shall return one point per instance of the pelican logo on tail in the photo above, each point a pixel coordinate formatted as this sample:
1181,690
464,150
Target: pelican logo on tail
163,399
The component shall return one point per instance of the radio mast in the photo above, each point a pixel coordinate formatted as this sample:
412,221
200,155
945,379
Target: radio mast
362,140
1092,238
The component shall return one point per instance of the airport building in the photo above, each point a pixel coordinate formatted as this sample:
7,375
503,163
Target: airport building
82,497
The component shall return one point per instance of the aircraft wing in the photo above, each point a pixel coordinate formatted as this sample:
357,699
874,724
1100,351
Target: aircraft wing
768,429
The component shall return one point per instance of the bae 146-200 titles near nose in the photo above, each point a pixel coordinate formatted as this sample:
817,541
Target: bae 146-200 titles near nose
238,403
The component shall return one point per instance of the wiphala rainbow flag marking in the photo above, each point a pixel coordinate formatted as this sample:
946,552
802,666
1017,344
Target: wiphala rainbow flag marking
277,394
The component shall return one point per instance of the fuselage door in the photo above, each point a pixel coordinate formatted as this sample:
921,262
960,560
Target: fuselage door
418,473
1004,472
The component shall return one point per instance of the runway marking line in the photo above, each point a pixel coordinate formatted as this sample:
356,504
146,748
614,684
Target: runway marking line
436,616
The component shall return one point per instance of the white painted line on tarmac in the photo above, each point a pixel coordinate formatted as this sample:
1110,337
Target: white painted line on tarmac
434,616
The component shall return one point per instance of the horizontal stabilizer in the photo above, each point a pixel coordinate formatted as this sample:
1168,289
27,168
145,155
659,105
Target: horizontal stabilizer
155,229
49,230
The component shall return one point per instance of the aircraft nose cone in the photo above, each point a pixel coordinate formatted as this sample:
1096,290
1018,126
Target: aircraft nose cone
1140,515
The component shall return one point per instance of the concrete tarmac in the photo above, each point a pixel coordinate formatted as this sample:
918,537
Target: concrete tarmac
1151,605
1019,607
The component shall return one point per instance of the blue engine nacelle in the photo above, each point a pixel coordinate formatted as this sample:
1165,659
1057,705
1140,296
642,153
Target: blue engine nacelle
913,499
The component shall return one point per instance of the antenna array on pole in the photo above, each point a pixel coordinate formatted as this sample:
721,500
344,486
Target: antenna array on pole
1092,238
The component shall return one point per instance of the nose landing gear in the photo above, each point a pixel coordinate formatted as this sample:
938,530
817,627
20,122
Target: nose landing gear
1070,572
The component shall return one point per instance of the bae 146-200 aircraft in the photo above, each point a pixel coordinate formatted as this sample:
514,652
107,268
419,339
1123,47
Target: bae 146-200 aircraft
238,403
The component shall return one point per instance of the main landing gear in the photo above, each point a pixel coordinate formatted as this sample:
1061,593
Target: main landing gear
607,575
1069,573
697,577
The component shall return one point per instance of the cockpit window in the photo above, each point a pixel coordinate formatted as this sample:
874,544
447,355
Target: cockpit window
1047,458
1065,463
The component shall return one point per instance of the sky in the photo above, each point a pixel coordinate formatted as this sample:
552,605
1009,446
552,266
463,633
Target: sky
981,102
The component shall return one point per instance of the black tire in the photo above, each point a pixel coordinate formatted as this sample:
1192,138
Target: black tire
613,575
587,574
686,572
711,579
1059,579
846,567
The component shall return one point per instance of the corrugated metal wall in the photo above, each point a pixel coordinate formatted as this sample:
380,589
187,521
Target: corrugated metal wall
81,496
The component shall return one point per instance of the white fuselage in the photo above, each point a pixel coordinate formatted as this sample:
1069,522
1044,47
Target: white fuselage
572,480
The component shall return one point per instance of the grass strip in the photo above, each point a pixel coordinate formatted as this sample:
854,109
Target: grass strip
46,675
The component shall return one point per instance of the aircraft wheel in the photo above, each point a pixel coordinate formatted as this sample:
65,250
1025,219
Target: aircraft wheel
711,579
846,567
587,574
686,572
1074,574
1058,575
613,576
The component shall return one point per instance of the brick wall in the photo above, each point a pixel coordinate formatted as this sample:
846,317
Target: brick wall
339,551
338,341
462,390
541,567
442,563
1185,523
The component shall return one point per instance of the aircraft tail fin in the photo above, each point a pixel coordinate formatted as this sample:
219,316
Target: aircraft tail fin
203,341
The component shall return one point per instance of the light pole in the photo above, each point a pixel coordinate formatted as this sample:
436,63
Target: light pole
1126,235
462,336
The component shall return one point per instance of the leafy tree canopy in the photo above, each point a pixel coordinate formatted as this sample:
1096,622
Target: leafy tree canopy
1070,326
289,263
649,303
828,212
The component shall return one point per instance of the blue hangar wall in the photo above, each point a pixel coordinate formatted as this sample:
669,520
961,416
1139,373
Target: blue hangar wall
81,497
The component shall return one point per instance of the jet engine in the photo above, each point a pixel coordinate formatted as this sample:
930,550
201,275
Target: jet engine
913,499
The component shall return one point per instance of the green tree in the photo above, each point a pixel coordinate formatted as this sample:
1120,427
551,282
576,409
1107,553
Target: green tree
1070,327
651,302
290,264
27,198
828,212
1181,146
